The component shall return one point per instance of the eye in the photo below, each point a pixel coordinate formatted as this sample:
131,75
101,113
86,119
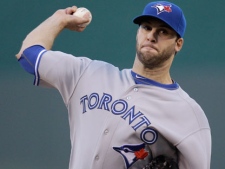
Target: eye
146,27
163,32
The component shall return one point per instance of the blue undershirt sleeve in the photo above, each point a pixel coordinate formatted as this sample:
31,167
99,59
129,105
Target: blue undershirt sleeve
30,58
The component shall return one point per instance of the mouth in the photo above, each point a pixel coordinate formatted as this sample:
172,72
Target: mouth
149,47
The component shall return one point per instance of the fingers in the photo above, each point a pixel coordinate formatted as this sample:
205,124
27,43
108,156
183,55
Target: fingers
80,28
71,21
74,22
71,10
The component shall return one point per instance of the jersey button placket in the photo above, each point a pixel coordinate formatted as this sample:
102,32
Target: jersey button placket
106,131
128,97
97,157
135,89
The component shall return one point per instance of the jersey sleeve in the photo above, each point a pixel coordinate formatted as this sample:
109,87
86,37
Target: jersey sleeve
195,150
54,69
61,71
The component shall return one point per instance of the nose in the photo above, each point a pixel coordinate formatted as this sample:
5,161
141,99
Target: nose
151,36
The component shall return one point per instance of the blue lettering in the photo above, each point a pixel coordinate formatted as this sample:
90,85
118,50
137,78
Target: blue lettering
144,121
117,104
105,100
95,102
120,107
131,115
82,101
149,135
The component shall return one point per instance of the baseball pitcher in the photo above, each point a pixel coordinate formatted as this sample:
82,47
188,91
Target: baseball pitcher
137,118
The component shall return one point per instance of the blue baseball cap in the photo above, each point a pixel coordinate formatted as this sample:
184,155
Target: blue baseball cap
167,12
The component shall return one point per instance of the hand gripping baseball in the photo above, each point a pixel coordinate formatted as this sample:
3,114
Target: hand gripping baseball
78,18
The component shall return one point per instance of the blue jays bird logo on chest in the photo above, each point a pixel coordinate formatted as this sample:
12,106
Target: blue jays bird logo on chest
132,153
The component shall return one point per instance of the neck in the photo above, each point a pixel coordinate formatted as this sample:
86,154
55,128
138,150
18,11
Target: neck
160,74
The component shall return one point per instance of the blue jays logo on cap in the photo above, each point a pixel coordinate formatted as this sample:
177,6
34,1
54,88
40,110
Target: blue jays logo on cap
132,153
162,8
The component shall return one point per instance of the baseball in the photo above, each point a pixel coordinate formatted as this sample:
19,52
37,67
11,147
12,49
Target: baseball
83,12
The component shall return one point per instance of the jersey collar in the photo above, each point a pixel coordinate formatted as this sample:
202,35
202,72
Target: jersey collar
143,80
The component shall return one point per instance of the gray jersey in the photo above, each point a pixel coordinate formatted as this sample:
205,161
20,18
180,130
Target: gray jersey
118,124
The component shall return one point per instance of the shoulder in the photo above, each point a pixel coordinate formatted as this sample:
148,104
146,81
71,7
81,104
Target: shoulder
193,106
108,71
108,68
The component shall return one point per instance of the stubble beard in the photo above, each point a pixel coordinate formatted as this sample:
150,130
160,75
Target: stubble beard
154,60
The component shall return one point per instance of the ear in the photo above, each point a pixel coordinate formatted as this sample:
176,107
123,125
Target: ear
179,44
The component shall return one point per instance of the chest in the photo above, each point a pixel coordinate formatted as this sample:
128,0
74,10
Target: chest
116,123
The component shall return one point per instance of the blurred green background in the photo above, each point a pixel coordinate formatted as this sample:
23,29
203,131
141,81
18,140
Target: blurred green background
34,132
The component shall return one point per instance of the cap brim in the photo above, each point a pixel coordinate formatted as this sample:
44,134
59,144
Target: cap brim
142,18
